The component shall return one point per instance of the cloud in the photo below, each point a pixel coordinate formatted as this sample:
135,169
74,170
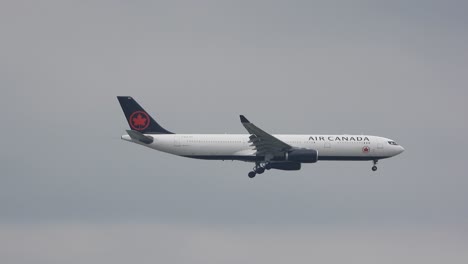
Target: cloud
392,69
149,243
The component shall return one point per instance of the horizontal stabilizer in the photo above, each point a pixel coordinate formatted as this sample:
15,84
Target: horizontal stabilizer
140,137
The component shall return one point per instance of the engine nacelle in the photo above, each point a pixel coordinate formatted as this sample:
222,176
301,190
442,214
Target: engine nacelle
302,155
285,165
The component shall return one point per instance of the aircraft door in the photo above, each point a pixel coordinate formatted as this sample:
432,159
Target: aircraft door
176,141
380,148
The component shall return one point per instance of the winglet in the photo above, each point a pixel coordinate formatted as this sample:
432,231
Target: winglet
243,119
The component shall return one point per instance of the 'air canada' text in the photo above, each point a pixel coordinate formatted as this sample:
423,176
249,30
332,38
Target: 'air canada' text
338,138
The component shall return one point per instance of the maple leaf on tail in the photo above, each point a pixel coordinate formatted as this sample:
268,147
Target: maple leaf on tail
139,121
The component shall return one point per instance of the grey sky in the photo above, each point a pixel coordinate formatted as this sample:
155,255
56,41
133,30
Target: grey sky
391,68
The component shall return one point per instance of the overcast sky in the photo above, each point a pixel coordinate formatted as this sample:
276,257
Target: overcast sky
72,192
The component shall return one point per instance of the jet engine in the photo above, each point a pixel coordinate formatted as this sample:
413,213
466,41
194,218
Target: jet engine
302,155
284,165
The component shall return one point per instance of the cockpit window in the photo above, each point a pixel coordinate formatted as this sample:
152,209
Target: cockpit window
392,143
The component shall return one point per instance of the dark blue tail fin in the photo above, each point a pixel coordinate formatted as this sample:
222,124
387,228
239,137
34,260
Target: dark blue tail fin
138,119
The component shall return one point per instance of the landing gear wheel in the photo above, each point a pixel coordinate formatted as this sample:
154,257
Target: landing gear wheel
268,166
252,174
260,170
374,168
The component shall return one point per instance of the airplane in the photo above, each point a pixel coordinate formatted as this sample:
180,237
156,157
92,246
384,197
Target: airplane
266,151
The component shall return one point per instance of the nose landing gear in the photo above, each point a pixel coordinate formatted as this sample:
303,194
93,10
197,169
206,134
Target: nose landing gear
374,168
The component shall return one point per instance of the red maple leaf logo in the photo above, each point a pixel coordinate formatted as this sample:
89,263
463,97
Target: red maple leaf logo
139,120
365,149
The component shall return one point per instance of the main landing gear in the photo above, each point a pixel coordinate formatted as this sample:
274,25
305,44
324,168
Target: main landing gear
374,168
259,169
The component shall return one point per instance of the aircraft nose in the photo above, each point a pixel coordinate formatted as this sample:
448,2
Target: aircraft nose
401,149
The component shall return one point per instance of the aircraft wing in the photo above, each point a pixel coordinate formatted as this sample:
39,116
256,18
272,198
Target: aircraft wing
265,144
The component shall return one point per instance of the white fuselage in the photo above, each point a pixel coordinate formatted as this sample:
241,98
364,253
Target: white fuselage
237,146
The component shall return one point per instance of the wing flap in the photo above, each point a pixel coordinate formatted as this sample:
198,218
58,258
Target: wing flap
263,142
